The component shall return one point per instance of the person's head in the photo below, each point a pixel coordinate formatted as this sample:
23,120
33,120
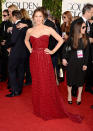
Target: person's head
24,14
79,31
75,18
11,8
50,17
38,16
54,20
16,15
87,11
83,29
5,15
45,12
67,17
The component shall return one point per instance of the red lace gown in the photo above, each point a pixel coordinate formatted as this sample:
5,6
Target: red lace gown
46,99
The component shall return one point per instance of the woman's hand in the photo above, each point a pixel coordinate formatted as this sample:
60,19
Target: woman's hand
9,49
91,40
65,37
21,25
47,51
30,50
84,68
64,62
3,42
10,29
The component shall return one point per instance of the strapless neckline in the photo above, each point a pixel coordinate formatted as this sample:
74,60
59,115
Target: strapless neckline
39,36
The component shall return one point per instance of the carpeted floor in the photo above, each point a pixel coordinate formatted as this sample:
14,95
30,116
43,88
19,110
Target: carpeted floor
16,113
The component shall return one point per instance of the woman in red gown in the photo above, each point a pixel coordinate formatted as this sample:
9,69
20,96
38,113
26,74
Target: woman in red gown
46,99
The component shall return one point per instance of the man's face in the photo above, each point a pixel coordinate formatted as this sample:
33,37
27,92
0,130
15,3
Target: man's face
5,16
90,13
13,19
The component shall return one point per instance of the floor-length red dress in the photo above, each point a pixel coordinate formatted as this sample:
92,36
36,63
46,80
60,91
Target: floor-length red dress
46,99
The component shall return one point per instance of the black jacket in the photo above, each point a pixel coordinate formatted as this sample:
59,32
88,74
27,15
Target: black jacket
52,41
17,44
4,35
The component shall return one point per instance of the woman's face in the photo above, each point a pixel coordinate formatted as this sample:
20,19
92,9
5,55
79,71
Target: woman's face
38,18
83,28
65,18
10,12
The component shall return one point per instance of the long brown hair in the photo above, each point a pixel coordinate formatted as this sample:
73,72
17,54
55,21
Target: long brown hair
76,35
25,14
64,26
39,9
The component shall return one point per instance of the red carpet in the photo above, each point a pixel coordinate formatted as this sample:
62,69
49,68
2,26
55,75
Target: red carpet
16,113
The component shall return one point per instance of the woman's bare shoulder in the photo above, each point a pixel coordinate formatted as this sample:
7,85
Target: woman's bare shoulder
29,30
48,28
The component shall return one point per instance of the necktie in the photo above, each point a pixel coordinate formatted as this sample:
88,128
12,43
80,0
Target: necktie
87,27
87,23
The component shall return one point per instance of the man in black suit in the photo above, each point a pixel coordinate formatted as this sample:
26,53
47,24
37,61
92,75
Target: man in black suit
91,36
87,13
4,36
52,41
17,56
48,22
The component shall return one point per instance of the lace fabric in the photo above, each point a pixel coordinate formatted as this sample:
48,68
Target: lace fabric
46,99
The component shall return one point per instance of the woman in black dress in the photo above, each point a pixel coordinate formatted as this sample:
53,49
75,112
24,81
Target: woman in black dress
75,57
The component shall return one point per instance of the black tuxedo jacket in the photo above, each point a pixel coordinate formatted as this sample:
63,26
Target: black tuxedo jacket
4,35
27,21
91,30
17,44
52,41
49,23
3,30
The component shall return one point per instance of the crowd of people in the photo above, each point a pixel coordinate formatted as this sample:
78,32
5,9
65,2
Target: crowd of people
31,48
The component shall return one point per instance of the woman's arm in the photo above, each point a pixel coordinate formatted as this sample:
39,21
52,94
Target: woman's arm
27,43
58,38
21,25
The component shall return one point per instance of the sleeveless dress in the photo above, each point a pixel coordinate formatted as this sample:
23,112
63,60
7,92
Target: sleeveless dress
46,98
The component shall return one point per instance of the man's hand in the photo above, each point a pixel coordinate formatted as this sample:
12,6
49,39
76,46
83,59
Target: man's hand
21,25
3,42
64,62
91,40
9,49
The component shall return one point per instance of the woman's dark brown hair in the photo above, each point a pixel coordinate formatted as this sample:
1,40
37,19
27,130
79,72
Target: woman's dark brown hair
76,35
66,27
39,9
